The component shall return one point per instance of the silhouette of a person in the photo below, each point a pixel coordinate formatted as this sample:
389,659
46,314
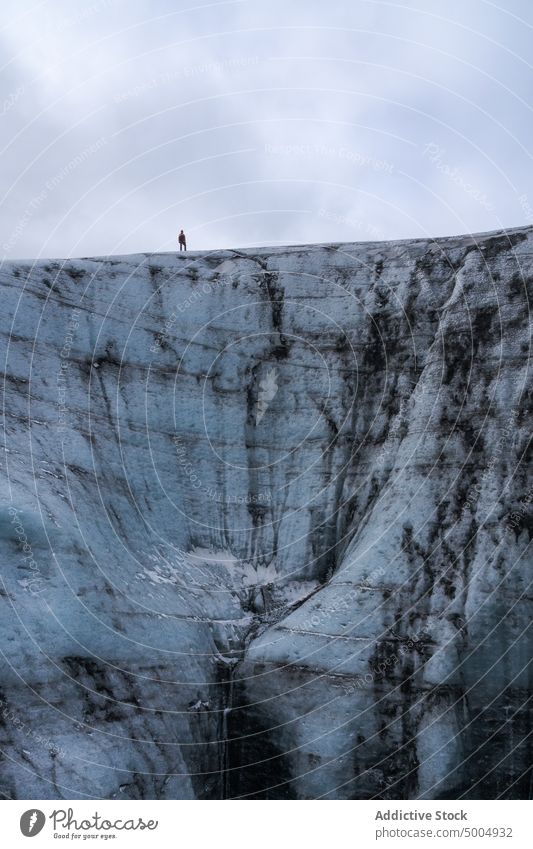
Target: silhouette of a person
182,240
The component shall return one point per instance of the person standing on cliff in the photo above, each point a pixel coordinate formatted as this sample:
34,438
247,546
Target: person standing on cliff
182,240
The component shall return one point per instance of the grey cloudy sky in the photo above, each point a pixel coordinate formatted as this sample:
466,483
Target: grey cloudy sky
254,122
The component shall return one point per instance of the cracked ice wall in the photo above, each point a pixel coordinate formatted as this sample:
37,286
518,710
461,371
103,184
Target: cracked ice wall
266,522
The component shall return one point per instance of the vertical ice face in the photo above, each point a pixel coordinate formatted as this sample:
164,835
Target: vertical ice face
265,526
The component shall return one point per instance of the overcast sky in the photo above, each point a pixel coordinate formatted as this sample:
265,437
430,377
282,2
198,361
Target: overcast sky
255,122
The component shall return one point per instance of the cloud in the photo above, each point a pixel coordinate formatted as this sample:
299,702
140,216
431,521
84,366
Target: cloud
247,123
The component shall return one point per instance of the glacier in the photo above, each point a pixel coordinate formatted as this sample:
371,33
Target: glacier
266,525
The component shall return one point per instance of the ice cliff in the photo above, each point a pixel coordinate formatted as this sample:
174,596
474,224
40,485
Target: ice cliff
266,523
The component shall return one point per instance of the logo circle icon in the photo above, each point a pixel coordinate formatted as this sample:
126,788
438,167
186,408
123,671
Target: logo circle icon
32,822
